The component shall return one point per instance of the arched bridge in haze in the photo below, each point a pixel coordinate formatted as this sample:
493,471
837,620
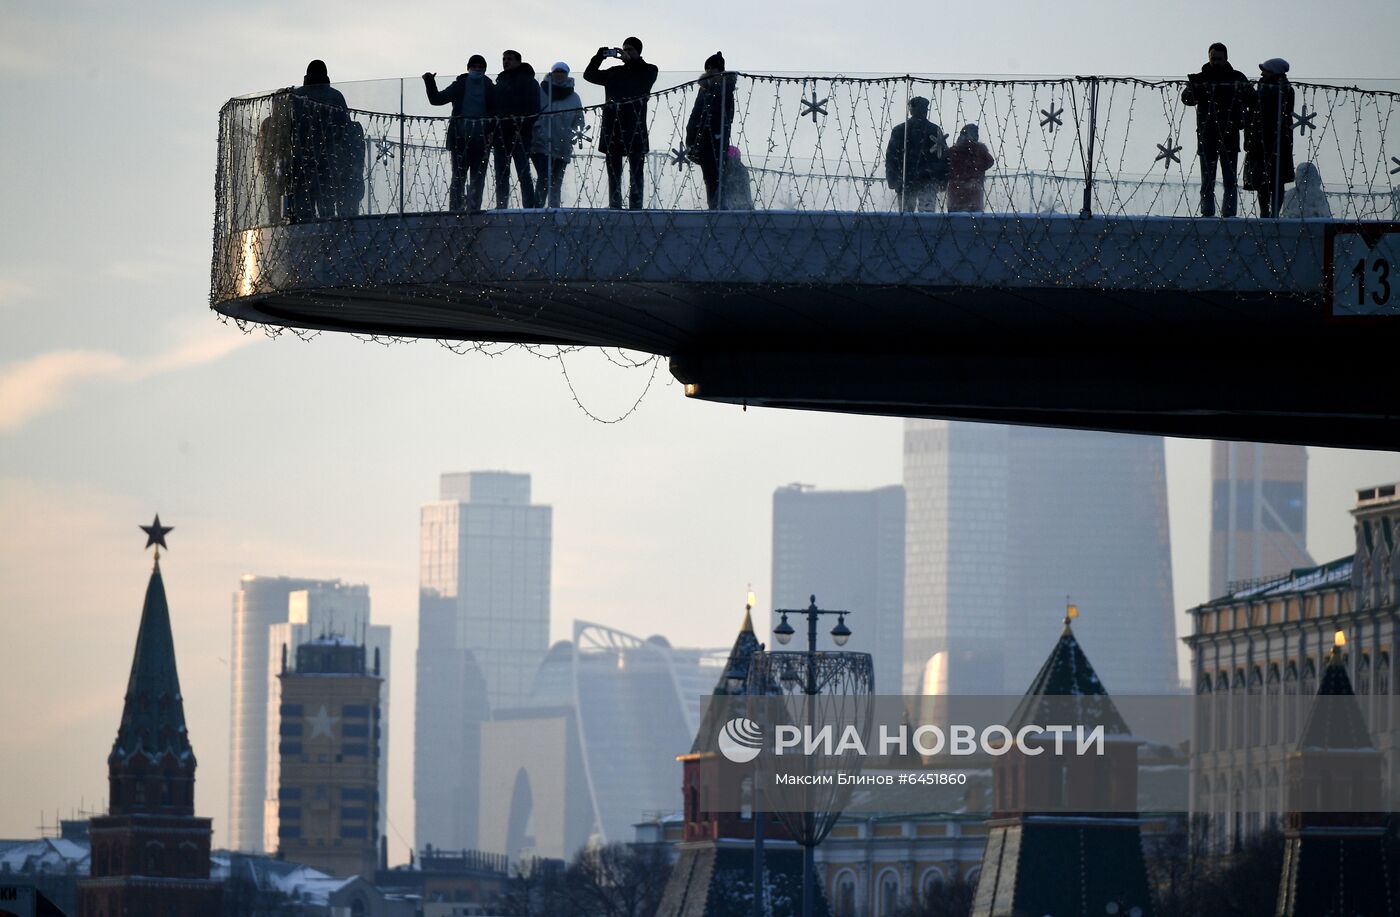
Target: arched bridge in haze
1085,294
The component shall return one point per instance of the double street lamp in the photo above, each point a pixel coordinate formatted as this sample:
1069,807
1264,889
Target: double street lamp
784,631
809,834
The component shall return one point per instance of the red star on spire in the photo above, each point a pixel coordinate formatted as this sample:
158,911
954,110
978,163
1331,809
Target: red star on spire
155,534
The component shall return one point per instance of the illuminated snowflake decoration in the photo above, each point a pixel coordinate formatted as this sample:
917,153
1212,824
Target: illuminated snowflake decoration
583,133
1167,154
814,106
383,150
680,158
1051,119
1304,122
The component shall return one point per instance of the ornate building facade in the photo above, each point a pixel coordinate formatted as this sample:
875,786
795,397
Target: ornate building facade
1259,651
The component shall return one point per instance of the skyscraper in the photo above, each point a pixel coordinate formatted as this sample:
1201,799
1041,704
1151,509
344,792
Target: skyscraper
1002,524
328,609
595,749
847,548
1259,512
260,604
483,628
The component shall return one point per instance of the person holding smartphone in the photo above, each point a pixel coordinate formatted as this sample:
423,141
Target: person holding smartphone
624,130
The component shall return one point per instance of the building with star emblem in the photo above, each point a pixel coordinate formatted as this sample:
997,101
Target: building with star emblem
270,612
328,792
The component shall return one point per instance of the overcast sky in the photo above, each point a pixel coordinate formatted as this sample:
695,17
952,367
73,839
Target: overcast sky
122,395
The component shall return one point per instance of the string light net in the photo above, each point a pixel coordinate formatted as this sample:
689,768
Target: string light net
350,208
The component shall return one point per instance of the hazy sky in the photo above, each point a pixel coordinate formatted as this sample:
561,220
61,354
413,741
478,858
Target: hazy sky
121,395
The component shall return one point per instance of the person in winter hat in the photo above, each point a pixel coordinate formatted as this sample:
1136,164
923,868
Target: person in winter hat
559,126
624,129
968,162
1307,199
473,99
1221,96
707,131
916,164
1269,141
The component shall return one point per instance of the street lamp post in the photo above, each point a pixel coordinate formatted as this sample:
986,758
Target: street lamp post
783,633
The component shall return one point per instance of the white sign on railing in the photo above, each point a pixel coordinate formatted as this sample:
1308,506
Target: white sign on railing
1363,269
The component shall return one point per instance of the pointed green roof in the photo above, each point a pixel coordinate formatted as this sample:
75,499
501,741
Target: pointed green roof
1341,725
733,681
153,716
1068,673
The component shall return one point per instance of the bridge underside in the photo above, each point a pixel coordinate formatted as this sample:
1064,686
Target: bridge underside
1205,328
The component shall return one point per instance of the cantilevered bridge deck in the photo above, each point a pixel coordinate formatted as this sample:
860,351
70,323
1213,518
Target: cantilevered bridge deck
1085,296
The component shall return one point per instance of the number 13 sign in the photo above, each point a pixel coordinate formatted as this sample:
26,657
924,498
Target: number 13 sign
1363,269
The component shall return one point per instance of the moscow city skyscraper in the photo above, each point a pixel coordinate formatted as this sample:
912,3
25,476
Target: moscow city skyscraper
1004,524
1259,512
846,547
483,629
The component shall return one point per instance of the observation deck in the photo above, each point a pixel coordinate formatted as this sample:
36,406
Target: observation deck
1085,294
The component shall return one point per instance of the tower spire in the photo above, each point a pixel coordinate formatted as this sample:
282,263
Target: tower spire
153,714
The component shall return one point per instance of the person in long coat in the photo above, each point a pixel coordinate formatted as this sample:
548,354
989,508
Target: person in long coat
1269,143
968,162
319,114
624,133
1221,96
707,131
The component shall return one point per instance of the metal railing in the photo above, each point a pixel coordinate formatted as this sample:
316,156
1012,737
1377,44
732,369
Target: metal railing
1106,146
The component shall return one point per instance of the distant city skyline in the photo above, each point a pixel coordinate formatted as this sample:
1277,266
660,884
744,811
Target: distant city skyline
121,395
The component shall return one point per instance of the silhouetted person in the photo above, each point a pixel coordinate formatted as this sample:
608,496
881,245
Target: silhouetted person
624,130
556,131
1307,199
274,156
1222,97
916,165
517,104
707,132
968,162
319,114
1269,142
473,101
